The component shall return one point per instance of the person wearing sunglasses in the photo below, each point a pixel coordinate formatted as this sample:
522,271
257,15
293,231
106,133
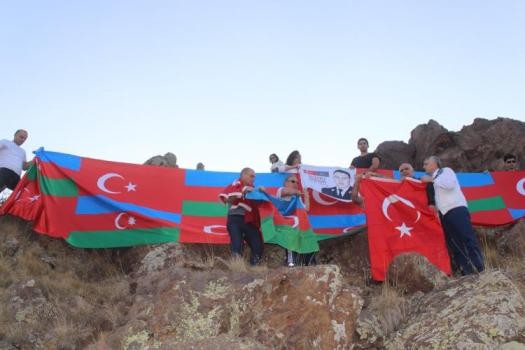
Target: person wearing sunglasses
510,162
289,191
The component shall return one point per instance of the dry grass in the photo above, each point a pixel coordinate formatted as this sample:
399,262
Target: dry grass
493,259
85,291
390,308
235,264
258,268
209,259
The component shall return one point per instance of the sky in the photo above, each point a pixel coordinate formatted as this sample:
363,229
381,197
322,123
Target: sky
227,83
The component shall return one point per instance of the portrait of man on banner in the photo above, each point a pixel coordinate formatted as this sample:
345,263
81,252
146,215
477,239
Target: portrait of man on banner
343,185
336,183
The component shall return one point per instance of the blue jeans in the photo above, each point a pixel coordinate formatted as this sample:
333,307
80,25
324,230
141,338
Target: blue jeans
241,231
461,240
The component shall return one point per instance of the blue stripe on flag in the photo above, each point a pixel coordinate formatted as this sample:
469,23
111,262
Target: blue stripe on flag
465,179
417,174
516,213
222,179
284,207
475,179
336,221
63,160
103,205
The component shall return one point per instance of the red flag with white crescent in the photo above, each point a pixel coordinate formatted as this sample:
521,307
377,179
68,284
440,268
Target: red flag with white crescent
400,221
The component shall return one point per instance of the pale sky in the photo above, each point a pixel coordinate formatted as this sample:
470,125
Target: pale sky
227,83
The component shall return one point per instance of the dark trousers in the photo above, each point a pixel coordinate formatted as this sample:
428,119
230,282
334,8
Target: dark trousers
8,178
461,240
241,231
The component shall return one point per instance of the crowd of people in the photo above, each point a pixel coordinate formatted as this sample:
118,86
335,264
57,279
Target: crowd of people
243,222
444,197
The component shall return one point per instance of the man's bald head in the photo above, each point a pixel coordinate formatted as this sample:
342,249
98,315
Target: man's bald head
247,176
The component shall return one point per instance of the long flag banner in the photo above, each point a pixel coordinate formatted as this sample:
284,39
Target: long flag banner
95,203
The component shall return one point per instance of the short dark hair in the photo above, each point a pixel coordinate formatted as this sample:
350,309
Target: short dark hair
508,156
291,157
274,155
363,139
343,172
19,130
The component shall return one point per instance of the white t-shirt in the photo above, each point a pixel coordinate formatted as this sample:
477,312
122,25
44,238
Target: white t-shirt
448,192
12,156
277,167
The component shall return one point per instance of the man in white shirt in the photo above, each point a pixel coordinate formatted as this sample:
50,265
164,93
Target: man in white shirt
12,160
454,216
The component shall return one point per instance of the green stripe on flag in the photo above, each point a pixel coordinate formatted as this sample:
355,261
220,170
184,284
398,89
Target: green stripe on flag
323,236
288,237
210,209
58,187
123,238
491,203
31,172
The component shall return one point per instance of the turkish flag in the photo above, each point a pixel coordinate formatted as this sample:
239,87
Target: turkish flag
26,200
400,221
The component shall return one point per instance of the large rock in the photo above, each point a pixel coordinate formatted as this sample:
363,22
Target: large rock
475,148
422,139
411,272
168,160
393,153
280,308
477,311
350,254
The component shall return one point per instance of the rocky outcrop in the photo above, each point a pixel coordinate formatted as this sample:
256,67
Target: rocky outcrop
168,160
484,311
474,312
411,272
350,254
512,241
394,153
475,148
301,308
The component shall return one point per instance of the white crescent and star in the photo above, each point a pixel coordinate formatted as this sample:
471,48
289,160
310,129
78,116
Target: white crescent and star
31,199
520,187
130,222
394,198
101,183
34,198
404,230
319,200
295,220
211,229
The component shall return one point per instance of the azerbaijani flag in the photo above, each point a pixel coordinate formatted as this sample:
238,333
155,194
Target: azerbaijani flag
98,204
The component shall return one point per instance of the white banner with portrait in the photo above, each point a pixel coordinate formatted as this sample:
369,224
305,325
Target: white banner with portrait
336,183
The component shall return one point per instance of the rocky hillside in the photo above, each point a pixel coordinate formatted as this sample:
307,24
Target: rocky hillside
475,148
176,296
194,297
